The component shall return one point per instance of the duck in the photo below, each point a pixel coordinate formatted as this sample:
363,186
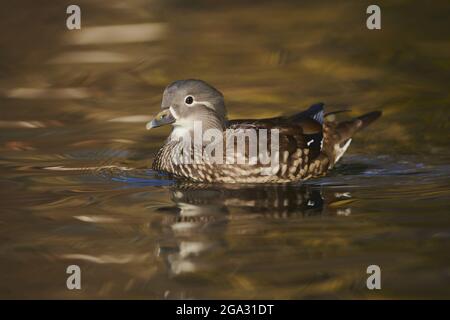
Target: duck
302,146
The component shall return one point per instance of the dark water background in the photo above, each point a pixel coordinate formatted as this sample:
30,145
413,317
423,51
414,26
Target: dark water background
75,183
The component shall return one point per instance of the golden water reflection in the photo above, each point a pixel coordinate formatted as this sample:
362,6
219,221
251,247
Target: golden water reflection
75,184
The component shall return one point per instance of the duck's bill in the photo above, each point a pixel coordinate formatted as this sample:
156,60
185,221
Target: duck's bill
161,119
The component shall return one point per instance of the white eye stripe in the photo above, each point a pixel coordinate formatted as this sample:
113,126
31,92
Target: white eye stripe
205,103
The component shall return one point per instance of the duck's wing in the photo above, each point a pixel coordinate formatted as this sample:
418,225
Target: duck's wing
302,130
314,112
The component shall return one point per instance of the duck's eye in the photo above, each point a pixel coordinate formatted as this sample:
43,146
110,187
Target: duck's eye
189,100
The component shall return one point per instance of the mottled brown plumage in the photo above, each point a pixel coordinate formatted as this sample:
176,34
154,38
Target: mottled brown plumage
309,146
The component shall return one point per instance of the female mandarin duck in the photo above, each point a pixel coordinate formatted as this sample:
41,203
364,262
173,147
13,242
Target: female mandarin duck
307,146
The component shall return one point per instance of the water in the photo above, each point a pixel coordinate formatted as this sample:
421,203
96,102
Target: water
75,156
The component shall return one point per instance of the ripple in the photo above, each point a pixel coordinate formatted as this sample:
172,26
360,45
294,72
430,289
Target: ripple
107,259
125,33
48,93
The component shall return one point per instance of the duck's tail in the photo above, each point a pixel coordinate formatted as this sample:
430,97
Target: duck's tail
338,136
346,129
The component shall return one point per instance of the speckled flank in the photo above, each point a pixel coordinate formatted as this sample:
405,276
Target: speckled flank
293,166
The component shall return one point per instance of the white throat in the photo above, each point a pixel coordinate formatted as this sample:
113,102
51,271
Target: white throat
178,133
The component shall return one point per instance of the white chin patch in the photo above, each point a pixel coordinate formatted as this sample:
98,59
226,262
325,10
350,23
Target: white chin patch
178,133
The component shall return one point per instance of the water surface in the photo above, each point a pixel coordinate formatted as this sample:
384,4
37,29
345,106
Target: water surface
76,187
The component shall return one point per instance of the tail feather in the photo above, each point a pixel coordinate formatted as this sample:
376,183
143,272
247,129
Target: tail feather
347,129
338,136
335,112
368,118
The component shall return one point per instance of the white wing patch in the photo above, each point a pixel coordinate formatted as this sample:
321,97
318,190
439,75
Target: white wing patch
339,151
310,142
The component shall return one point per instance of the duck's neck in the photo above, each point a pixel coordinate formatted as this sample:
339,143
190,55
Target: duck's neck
180,132
193,129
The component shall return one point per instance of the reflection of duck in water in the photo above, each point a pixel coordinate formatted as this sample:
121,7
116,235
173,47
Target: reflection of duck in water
201,214
197,224
272,199
207,203
306,147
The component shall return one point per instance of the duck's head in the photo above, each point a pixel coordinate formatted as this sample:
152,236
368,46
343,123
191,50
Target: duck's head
185,102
